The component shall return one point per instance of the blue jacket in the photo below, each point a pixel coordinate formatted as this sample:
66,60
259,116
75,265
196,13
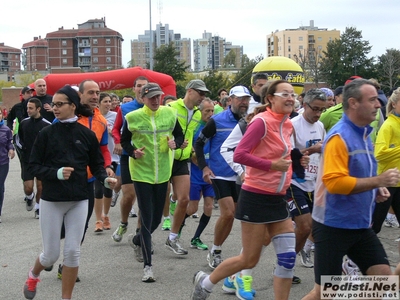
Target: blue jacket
224,122
352,211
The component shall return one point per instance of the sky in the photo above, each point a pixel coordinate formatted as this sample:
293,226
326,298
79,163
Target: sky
245,23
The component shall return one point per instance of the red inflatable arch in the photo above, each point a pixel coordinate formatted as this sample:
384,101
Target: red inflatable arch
111,80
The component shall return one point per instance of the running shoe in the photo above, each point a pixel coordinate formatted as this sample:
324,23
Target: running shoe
175,246
59,273
30,287
391,222
29,203
106,223
166,226
119,232
37,213
349,269
98,226
215,203
148,274
305,258
172,205
136,248
243,287
132,213
229,286
296,280
114,198
199,293
195,215
214,258
197,243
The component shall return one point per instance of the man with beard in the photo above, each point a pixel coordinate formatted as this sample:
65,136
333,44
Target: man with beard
41,94
219,173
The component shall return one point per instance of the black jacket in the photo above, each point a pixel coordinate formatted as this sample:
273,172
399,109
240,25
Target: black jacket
18,111
27,133
66,145
48,115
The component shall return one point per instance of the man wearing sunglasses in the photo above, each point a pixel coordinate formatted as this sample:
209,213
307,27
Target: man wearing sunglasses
308,135
189,117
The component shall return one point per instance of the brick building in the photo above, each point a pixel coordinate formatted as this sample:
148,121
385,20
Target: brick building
10,60
92,47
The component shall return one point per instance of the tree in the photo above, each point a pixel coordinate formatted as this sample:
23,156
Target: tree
243,77
345,57
230,59
310,60
214,81
389,68
131,63
165,61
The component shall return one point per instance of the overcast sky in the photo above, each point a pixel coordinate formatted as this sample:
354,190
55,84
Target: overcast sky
245,23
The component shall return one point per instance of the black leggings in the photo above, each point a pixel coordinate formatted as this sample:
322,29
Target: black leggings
151,199
382,208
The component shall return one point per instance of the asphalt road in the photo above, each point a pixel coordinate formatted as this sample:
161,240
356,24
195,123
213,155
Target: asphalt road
108,269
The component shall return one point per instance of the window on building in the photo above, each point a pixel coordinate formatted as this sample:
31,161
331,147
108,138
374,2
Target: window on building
64,52
319,47
95,50
17,64
319,39
288,39
289,49
95,41
300,38
108,59
301,47
95,59
64,42
108,41
108,50
64,61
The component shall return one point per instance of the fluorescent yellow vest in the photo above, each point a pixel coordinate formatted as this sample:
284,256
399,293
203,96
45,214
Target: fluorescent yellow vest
188,128
151,129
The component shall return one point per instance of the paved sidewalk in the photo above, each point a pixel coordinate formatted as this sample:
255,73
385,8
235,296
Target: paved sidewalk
108,269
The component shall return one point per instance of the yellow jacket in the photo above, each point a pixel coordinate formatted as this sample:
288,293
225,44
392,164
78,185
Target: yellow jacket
387,145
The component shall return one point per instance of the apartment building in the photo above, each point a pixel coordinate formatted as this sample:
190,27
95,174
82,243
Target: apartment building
92,47
10,59
162,35
308,41
210,51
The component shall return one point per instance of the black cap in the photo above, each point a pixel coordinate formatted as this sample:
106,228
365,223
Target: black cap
338,91
150,90
25,89
71,93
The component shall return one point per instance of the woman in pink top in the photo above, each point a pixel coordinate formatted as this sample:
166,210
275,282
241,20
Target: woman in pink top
265,150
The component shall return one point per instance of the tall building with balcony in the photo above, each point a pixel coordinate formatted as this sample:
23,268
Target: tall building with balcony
309,41
210,52
140,47
35,55
92,47
10,59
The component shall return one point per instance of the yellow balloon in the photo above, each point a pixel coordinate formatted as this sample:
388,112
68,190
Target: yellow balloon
280,67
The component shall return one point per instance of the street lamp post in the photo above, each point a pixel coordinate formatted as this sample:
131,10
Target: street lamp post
355,64
151,40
